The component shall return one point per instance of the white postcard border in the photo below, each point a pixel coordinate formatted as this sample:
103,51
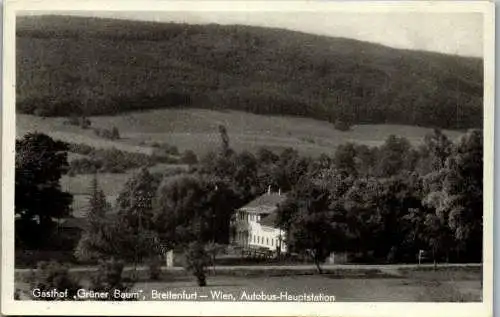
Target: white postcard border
11,307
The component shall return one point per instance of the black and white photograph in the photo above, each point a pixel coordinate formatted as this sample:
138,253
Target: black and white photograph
245,155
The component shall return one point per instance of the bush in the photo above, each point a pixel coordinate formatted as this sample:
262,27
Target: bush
115,134
52,275
104,133
107,160
108,278
80,148
188,157
81,122
112,134
85,123
342,125
155,268
72,120
171,149
197,261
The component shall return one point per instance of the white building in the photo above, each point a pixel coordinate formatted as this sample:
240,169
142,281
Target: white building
255,223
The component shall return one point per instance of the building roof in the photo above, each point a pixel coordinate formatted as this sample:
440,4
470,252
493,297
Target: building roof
266,201
269,220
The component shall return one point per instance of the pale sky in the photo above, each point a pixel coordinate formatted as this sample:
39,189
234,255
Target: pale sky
450,33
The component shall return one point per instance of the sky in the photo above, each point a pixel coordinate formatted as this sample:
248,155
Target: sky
445,32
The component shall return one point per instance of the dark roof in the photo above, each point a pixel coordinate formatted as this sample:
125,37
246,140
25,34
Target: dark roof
266,200
269,220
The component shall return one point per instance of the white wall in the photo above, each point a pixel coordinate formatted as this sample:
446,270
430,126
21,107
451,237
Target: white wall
261,236
267,237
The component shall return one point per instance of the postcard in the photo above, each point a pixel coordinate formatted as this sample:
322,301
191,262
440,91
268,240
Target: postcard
247,158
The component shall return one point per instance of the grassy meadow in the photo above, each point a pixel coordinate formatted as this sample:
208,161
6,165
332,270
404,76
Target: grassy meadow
446,284
197,130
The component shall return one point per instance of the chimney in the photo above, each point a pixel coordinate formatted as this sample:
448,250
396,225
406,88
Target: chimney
269,190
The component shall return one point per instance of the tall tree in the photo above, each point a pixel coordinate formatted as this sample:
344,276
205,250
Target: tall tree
97,204
99,238
40,164
225,147
134,202
345,158
290,168
315,229
463,188
434,152
135,209
179,212
393,156
456,194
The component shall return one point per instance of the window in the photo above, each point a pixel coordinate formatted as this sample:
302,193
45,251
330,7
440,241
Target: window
272,242
267,241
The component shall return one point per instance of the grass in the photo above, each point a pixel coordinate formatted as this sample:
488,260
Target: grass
197,130
55,128
111,184
345,290
346,285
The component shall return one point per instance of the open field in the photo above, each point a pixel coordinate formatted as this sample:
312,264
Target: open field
197,130
346,283
344,290
110,183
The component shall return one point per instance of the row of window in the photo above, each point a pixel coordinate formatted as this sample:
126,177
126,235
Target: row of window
262,240
248,217
258,239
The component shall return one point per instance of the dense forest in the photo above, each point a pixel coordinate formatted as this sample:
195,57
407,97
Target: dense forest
86,66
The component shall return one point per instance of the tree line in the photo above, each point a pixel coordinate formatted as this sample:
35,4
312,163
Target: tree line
380,204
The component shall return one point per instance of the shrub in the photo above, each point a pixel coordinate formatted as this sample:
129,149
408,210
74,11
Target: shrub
85,123
76,120
188,157
171,149
107,160
342,125
52,275
72,120
115,134
109,277
80,148
155,268
104,133
197,260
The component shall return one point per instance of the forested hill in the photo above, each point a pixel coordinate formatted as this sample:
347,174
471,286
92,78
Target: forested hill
94,66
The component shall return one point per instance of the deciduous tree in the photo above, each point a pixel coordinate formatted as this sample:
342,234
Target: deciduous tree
39,199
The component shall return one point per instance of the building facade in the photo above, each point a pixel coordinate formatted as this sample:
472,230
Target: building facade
255,224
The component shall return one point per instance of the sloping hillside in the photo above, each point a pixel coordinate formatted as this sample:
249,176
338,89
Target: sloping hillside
69,65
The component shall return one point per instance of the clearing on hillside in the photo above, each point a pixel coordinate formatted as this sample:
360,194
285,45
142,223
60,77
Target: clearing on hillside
197,130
